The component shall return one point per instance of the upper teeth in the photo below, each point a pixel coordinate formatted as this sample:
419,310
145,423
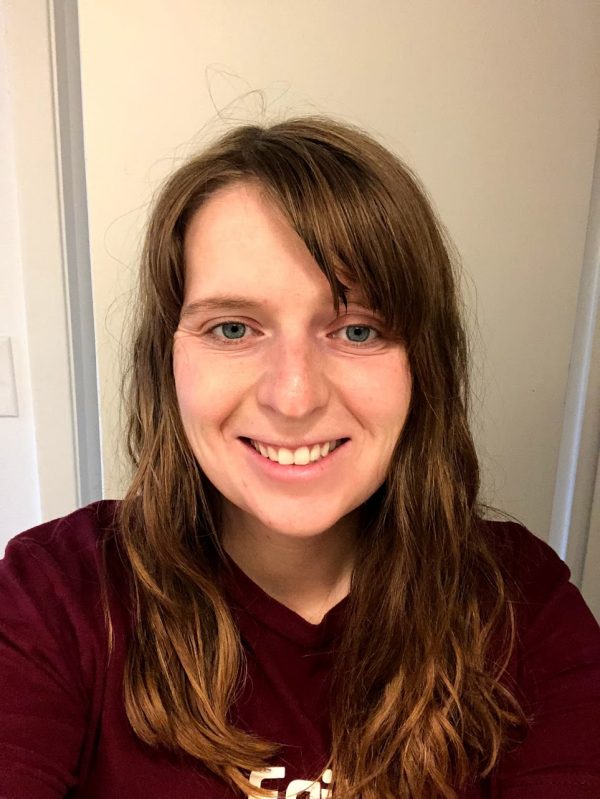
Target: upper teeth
300,456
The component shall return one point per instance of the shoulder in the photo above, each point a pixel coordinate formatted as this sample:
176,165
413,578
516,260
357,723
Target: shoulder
60,564
71,542
556,629
533,567
54,648
82,528
53,582
555,626
555,671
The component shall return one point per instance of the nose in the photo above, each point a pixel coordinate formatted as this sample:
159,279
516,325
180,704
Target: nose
294,383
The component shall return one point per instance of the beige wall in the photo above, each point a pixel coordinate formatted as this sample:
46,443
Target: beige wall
495,104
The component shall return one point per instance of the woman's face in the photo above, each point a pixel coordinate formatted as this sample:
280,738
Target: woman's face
260,355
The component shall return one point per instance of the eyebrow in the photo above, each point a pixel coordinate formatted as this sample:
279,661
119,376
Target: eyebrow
221,302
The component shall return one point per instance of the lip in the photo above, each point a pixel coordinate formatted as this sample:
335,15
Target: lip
294,473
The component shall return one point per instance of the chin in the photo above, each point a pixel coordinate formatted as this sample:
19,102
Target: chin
304,529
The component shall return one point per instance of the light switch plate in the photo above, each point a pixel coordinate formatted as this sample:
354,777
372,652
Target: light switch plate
8,388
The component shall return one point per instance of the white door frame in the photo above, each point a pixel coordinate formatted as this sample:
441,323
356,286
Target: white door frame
42,92
571,528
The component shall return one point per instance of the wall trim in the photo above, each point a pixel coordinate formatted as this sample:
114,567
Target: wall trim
64,29
578,453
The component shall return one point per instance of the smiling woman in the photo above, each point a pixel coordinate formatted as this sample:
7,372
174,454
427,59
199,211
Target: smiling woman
300,594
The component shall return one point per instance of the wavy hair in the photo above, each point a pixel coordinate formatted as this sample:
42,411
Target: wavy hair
431,621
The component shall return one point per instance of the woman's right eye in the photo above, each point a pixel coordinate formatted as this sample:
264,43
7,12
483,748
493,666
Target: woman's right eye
237,328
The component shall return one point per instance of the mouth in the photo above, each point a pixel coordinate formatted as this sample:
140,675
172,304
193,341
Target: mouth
303,457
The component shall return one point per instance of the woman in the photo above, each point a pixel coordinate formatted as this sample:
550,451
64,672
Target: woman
299,595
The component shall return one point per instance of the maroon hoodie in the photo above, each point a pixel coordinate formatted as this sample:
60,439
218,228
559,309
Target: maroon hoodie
63,728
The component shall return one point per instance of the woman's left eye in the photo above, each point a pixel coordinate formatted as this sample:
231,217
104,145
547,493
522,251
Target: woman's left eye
358,335
360,331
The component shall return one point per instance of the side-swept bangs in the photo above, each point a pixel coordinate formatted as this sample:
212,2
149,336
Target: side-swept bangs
363,215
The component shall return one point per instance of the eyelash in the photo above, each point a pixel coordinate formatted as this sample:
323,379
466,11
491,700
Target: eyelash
233,342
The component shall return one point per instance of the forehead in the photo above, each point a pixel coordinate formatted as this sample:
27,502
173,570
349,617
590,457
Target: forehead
239,245
239,214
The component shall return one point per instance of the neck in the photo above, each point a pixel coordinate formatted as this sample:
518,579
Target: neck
309,575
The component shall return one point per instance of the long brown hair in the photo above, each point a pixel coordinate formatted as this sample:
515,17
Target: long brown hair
431,624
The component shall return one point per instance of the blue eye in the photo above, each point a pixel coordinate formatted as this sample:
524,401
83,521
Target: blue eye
237,330
365,330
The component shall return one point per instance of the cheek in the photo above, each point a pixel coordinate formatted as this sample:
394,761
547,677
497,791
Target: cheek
192,385
381,395
184,376
402,391
199,385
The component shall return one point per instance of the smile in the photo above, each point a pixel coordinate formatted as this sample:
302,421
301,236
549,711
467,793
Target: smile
299,457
